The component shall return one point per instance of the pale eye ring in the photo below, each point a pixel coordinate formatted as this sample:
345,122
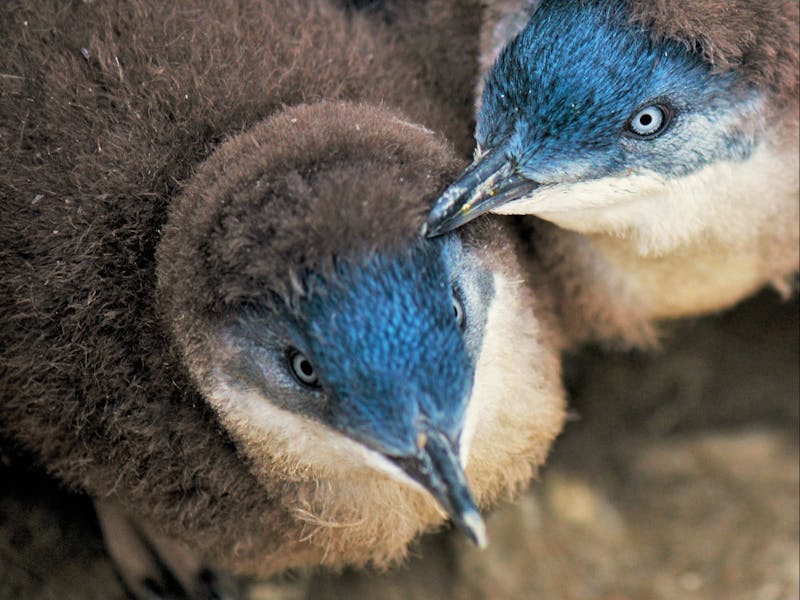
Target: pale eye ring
458,311
302,369
650,121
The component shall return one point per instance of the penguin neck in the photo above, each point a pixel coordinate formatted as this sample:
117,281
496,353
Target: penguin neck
708,240
701,277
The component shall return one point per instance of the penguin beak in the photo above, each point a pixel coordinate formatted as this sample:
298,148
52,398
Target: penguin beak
437,468
487,183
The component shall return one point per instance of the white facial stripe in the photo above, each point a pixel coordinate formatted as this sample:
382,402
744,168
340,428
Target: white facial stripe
515,389
472,414
724,200
313,448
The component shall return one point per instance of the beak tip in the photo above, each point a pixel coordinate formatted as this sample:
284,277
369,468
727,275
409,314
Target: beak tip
475,528
488,183
438,216
436,467
442,220
431,229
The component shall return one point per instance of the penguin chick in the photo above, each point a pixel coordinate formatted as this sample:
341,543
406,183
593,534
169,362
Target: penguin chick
666,132
217,314
336,346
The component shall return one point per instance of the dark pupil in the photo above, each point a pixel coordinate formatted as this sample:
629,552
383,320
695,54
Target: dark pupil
645,119
306,368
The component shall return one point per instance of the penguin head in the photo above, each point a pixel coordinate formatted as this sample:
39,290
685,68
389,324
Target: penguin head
335,343
584,111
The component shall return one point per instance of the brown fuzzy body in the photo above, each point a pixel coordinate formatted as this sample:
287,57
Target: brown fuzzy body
302,171
107,112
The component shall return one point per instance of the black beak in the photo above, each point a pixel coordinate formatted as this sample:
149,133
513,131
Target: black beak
486,184
437,468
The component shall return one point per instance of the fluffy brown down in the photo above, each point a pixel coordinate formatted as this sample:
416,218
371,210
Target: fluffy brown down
289,196
292,180
107,113
758,38
440,37
106,110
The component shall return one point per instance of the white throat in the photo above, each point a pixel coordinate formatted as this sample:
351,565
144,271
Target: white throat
694,244
728,201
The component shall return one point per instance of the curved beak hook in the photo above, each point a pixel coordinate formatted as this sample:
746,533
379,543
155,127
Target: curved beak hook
437,468
487,183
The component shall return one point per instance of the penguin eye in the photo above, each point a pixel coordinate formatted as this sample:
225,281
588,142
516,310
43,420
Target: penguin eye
302,369
649,121
458,311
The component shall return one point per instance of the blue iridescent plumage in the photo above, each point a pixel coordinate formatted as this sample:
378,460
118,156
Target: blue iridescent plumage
558,104
385,340
389,344
560,96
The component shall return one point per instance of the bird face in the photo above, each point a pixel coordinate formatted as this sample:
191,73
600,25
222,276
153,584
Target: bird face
583,115
358,368
383,351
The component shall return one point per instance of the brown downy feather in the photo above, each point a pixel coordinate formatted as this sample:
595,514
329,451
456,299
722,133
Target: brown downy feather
108,113
107,109
442,37
299,171
757,38
355,180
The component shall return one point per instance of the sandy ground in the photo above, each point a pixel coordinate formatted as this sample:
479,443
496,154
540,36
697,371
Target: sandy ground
678,478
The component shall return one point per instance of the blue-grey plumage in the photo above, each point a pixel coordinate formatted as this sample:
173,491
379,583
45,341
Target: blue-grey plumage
596,122
379,352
